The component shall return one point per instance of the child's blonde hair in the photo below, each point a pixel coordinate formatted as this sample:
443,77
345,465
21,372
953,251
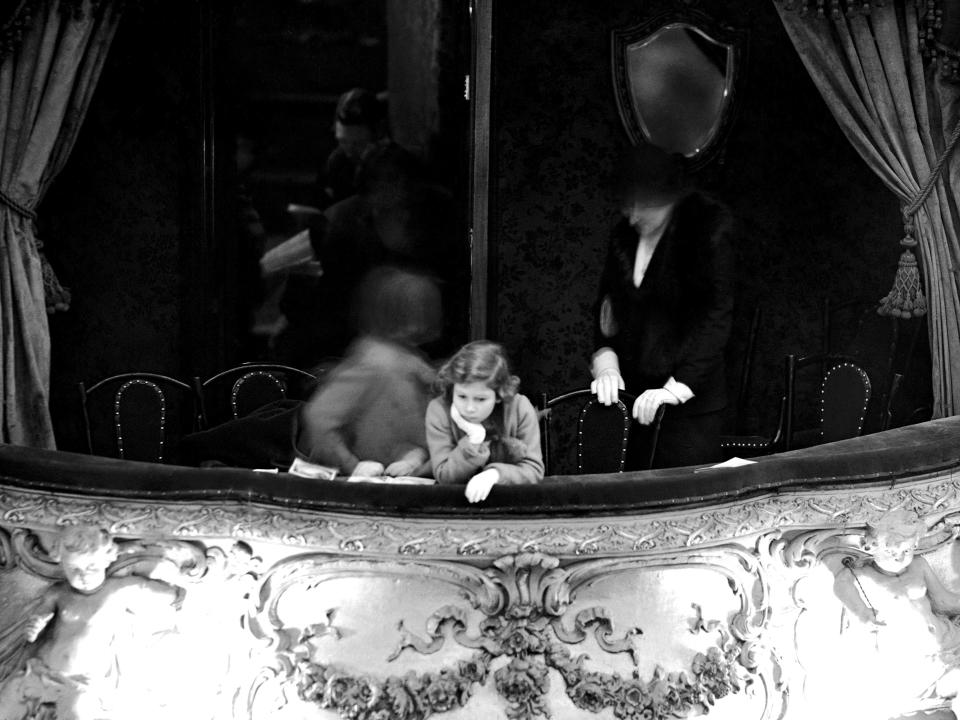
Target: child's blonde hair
479,361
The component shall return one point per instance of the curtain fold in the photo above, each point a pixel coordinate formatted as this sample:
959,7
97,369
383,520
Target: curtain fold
900,115
45,88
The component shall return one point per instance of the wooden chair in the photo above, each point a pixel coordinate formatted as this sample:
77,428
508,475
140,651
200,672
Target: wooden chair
746,446
844,393
828,405
137,416
841,321
601,432
237,392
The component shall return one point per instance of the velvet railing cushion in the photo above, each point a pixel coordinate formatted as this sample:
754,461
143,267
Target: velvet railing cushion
46,84
885,458
899,114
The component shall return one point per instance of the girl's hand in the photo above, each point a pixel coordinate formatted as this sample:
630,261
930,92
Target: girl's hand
479,486
476,433
400,467
368,468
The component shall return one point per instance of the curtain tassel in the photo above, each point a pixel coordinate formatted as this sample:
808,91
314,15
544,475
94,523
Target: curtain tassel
56,296
905,299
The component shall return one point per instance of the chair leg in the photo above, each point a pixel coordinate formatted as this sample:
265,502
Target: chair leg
85,416
545,433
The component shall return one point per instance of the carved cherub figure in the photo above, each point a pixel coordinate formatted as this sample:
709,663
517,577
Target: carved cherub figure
79,629
897,595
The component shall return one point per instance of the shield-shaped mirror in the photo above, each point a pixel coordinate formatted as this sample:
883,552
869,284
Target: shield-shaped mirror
674,80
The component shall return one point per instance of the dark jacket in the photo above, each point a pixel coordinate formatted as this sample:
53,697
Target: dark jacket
678,321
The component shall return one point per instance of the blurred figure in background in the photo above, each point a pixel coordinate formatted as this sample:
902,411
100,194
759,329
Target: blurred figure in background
359,122
366,416
397,217
366,419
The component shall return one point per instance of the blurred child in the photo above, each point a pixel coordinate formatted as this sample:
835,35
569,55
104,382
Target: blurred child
480,430
366,420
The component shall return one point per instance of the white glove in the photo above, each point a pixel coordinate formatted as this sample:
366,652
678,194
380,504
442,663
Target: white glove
479,486
606,386
368,468
645,407
476,433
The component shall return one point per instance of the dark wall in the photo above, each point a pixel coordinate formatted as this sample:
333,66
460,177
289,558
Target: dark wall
121,223
814,221
117,221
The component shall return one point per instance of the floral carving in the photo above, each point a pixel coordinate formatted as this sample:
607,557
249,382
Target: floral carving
524,599
408,697
523,684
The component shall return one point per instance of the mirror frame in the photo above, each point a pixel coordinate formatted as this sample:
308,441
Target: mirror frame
622,38
478,88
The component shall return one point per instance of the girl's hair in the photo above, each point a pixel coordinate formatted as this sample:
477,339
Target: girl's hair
479,361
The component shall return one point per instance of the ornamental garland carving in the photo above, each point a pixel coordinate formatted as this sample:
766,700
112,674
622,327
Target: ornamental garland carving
524,599
465,538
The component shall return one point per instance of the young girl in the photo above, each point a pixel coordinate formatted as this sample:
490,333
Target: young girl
480,430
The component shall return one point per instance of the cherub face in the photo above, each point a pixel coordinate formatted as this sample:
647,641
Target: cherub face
893,553
86,571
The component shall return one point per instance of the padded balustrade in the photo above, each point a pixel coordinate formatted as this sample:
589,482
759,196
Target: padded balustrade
236,594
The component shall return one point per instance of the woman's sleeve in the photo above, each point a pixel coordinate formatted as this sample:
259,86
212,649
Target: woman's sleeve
453,461
606,327
529,469
707,339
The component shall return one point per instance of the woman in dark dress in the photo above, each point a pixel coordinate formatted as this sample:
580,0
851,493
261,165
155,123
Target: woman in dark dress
664,310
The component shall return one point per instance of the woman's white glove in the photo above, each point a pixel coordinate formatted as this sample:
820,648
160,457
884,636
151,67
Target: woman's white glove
607,386
479,486
645,406
476,433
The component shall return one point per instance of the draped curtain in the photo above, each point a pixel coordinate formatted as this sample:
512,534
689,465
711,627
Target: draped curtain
900,114
46,81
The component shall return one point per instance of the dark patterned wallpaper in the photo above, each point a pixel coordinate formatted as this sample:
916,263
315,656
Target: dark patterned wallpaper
814,221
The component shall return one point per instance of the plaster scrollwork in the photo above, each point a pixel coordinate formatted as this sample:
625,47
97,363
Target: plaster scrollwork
188,561
458,537
525,637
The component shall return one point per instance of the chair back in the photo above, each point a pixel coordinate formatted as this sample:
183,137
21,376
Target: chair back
582,436
239,391
137,416
843,395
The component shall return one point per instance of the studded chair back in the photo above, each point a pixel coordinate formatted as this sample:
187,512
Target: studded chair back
237,392
137,416
843,391
582,436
